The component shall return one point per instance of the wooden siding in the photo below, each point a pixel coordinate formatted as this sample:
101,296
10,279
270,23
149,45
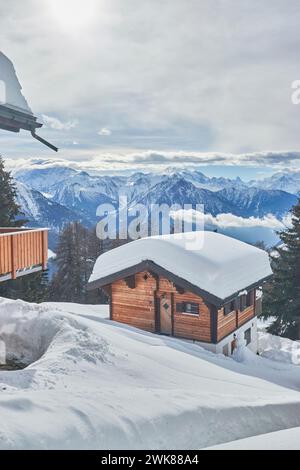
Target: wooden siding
229,323
226,323
22,249
139,304
196,327
135,307
246,315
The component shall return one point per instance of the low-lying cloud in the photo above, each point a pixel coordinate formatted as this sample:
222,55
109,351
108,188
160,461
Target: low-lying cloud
225,221
266,158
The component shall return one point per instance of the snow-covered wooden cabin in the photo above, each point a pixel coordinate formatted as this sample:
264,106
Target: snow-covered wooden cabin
201,286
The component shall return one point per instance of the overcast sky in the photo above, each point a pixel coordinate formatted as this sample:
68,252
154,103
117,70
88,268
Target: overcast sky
139,83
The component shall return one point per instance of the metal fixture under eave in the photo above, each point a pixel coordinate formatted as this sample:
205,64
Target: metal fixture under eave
13,119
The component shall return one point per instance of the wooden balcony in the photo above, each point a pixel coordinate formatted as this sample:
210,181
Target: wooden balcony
22,251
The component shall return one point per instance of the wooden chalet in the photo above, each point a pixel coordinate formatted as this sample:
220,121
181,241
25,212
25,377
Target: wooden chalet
22,251
209,292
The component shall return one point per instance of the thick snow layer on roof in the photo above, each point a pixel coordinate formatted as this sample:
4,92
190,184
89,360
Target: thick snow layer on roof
218,264
10,91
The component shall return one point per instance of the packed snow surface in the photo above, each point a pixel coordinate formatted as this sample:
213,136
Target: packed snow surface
93,383
213,262
288,439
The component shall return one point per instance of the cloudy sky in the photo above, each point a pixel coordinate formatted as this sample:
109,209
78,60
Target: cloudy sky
146,84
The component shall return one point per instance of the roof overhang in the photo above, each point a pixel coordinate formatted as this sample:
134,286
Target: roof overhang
13,119
152,267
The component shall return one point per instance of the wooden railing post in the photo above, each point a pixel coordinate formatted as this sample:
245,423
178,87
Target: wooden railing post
14,256
44,249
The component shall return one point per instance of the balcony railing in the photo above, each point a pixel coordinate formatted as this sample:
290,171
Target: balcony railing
22,251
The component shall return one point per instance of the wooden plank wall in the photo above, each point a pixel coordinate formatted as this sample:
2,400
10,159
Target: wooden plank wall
196,327
229,323
246,315
23,250
226,323
136,307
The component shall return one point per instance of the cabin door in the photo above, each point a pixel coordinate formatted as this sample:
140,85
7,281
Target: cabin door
165,314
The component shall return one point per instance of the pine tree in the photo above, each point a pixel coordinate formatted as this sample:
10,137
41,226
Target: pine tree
282,296
31,288
9,209
77,250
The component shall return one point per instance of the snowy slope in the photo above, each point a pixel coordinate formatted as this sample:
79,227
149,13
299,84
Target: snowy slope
288,439
98,384
284,180
41,211
248,202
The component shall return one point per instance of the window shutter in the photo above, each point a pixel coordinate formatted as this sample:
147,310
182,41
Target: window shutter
242,302
195,309
227,309
179,307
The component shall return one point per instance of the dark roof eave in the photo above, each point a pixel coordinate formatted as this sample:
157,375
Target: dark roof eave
148,265
252,286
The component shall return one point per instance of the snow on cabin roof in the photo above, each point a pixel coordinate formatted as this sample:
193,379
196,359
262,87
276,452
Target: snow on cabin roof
215,263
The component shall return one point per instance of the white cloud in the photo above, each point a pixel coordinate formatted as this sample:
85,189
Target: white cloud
171,75
104,131
55,123
224,221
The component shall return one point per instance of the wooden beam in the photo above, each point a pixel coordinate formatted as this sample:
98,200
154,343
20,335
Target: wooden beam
14,262
179,289
44,250
130,281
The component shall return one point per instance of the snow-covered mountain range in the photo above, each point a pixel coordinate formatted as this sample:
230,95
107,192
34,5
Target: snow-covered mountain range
52,194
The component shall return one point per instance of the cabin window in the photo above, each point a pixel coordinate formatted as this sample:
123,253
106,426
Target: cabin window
230,307
188,307
247,336
226,350
250,298
246,300
242,302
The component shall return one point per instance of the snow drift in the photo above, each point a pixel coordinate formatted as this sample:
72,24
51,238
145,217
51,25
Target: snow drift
92,383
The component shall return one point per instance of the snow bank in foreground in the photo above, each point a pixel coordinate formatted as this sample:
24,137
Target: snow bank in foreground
28,333
98,384
279,349
288,439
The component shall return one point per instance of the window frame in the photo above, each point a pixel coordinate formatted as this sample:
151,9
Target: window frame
248,339
232,307
181,308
